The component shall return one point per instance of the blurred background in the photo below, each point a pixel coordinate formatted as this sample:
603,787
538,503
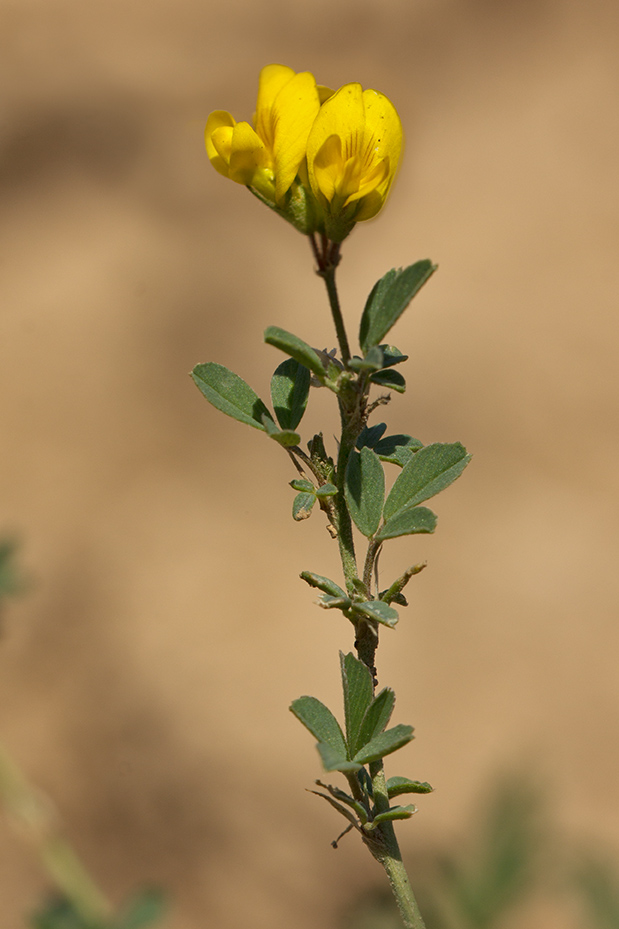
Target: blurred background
146,677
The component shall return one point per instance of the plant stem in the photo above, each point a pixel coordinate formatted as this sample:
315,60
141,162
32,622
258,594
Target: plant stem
328,258
35,816
387,853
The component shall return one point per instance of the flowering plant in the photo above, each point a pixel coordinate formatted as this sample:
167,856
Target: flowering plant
325,161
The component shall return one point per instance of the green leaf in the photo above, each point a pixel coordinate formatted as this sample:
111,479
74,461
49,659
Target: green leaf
395,812
392,356
60,914
432,469
334,761
302,506
365,490
229,393
296,348
357,686
302,486
389,298
409,521
397,449
327,602
370,435
373,361
325,491
321,722
392,380
403,785
323,583
285,437
384,744
289,392
377,610
376,716
147,909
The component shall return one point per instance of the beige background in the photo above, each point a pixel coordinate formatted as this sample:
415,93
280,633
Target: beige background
145,680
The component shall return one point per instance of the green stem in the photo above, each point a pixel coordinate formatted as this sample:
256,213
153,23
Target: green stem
328,257
387,853
34,814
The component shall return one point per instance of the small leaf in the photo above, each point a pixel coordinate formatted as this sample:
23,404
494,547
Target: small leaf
432,469
335,761
397,449
296,348
396,812
365,490
409,521
377,716
302,506
289,392
323,583
325,491
373,361
302,486
392,380
357,687
384,744
370,435
392,356
402,785
389,298
321,722
377,610
229,393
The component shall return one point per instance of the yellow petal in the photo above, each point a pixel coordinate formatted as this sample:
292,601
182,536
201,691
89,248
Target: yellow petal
272,79
217,120
247,155
342,115
383,132
293,113
371,181
328,166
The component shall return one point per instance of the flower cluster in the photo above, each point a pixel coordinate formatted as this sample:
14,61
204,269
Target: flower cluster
323,160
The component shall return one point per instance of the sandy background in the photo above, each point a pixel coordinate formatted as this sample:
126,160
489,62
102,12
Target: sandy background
145,680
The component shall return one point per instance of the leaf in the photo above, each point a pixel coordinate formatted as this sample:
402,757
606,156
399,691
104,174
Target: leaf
323,583
289,392
302,506
334,761
60,914
402,785
392,356
376,716
302,485
389,298
229,393
370,435
377,610
409,521
395,812
432,469
392,380
397,449
373,361
285,437
365,490
384,744
296,348
321,722
327,602
357,687
325,491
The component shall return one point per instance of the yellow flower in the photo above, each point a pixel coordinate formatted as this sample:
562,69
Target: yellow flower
353,151
267,156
